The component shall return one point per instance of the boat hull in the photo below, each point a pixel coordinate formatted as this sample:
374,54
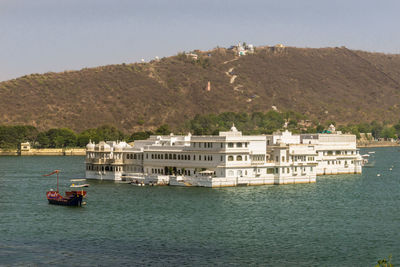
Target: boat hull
73,198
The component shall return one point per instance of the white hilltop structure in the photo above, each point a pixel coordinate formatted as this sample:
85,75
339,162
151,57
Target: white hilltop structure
227,159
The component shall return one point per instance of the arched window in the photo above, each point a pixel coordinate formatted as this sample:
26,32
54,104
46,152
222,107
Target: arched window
174,156
239,158
230,158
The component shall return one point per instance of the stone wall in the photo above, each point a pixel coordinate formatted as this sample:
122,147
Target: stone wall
45,152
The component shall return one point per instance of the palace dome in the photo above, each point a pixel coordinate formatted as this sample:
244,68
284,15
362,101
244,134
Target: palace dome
90,146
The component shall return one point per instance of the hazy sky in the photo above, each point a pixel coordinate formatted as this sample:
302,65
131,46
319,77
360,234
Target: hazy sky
38,36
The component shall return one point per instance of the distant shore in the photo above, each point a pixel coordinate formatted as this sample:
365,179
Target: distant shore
377,144
82,151
44,152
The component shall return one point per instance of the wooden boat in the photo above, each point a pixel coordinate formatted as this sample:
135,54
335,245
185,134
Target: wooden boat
71,198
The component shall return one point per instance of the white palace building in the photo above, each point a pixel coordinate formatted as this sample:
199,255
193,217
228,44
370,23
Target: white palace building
228,159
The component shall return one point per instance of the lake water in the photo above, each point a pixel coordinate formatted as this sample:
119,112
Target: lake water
343,220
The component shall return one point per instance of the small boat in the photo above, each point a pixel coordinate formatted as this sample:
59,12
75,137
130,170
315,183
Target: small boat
71,198
137,183
371,152
79,185
369,164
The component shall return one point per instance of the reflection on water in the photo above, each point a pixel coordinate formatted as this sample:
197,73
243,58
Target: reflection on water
340,220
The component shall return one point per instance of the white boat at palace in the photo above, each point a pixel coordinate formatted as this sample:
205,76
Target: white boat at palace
227,159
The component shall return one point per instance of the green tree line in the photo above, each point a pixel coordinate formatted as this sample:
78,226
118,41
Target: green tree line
12,136
209,124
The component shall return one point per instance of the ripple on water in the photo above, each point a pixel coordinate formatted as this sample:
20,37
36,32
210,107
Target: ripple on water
340,220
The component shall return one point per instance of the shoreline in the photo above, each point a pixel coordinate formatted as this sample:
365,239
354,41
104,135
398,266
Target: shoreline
378,144
82,151
45,152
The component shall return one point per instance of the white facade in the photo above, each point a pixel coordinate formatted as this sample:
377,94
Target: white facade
229,159
336,152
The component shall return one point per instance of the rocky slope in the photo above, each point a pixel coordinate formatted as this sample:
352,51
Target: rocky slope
326,84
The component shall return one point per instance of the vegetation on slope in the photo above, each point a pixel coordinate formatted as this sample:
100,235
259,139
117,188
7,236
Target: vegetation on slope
254,123
324,84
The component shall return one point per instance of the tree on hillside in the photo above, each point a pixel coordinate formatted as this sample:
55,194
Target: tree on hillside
62,137
388,132
163,130
12,136
140,136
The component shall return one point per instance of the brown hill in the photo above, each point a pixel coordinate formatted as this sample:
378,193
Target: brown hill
326,84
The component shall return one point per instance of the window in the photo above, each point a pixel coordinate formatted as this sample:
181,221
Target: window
245,144
222,145
230,158
238,144
270,170
174,156
231,173
199,157
222,159
240,173
230,144
239,158
283,158
245,158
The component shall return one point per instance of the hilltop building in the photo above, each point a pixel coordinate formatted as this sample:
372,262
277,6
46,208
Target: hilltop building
228,159
242,49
